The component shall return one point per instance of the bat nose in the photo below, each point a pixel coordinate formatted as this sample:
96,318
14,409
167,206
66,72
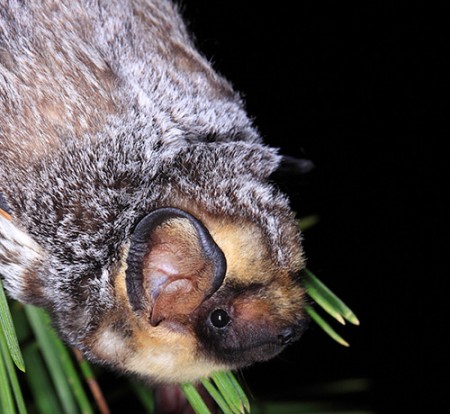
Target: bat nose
292,333
286,336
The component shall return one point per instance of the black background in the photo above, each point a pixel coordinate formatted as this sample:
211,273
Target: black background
357,89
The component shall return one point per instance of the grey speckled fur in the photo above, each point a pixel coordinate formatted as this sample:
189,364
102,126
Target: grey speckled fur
108,112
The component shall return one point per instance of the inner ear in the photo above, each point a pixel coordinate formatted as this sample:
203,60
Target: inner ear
173,265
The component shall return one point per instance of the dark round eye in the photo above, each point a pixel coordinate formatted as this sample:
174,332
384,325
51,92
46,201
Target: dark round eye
219,318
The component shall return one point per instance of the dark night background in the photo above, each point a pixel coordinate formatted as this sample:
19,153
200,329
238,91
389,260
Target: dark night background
357,89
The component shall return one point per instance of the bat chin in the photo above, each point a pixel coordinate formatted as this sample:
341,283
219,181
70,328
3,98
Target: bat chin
259,353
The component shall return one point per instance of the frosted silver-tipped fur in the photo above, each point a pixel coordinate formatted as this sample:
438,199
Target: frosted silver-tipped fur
109,114
18,254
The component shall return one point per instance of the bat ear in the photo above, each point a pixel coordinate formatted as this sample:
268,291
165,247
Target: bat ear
173,265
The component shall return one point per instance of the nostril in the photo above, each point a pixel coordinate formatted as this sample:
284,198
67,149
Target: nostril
286,336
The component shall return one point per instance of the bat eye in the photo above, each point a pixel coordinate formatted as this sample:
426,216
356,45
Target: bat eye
219,318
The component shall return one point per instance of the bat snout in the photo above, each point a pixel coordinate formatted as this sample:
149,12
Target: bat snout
271,342
286,336
293,333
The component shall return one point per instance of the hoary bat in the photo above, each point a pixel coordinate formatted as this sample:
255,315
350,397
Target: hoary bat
137,206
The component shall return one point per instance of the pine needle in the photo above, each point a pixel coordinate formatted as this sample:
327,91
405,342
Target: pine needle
324,297
6,324
325,326
12,376
195,399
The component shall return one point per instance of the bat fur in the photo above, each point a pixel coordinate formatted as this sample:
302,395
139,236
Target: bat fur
108,114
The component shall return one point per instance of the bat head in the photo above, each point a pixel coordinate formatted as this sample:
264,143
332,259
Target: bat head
196,297
169,293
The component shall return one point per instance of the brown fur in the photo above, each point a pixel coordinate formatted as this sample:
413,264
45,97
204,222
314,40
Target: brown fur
144,218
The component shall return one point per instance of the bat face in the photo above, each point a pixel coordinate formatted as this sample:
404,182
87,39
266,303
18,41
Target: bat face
135,196
194,300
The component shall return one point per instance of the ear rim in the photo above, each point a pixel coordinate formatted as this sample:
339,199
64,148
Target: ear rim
139,248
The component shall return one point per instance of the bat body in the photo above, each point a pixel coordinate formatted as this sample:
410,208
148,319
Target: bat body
136,205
